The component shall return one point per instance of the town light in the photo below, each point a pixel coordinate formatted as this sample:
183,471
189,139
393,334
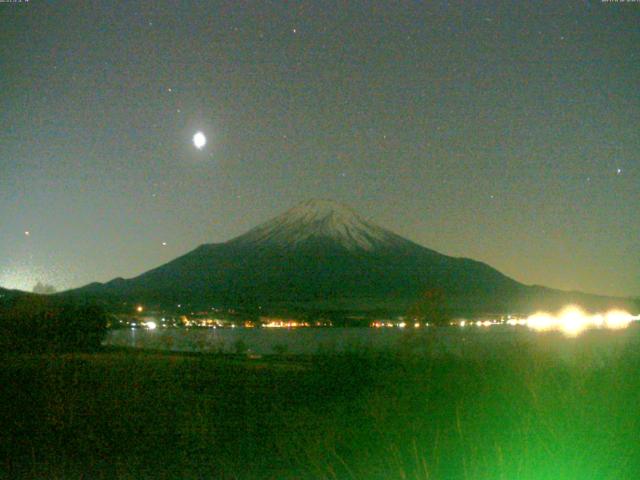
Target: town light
572,320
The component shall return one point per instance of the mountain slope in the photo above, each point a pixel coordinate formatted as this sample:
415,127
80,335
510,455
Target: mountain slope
321,255
9,297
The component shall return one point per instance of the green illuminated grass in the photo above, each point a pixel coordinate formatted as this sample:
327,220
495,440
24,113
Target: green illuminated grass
521,414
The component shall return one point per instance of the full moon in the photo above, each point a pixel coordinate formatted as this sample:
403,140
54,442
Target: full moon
199,140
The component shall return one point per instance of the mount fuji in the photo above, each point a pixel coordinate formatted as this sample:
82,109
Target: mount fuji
322,256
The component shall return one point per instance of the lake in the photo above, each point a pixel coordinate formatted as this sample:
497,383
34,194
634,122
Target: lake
433,340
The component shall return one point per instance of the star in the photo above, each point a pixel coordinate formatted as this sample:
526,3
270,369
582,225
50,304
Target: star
618,171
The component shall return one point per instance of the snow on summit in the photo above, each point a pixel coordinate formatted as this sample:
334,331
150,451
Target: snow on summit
322,219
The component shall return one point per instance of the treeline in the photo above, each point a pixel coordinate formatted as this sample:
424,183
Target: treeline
35,323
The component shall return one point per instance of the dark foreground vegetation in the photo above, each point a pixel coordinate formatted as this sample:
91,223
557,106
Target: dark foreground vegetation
38,323
520,414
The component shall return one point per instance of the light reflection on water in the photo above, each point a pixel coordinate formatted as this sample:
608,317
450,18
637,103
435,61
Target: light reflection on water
441,340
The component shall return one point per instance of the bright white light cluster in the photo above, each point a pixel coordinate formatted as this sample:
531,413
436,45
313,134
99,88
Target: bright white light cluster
572,320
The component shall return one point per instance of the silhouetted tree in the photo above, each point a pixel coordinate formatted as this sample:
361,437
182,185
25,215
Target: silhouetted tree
431,307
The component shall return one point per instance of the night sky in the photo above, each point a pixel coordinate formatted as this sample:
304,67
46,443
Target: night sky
505,133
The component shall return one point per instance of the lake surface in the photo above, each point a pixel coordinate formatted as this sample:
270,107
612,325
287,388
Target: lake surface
442,340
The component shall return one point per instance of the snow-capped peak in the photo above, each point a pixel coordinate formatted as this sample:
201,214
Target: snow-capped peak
321,219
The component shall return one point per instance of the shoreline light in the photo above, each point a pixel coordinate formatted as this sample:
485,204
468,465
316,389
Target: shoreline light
572,320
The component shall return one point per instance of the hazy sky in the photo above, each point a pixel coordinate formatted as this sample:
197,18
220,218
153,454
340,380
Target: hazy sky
508,132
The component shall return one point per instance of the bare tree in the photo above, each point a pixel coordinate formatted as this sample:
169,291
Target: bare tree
44,288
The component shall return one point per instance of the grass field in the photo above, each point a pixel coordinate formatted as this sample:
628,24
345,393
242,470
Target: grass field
520,414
